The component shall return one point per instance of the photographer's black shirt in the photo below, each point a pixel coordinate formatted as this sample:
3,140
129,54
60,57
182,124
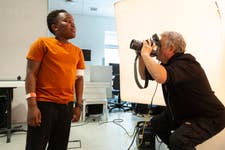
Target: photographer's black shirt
187,91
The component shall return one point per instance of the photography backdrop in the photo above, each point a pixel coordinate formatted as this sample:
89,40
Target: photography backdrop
198,21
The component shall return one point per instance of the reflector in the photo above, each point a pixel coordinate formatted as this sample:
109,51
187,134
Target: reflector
199,23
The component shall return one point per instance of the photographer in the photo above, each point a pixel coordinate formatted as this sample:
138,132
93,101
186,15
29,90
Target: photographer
193,113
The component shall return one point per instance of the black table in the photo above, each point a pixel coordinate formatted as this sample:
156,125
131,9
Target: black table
7,91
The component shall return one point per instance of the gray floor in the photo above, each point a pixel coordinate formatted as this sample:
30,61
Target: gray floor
94,134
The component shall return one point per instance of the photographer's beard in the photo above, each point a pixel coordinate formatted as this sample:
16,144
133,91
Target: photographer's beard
162,57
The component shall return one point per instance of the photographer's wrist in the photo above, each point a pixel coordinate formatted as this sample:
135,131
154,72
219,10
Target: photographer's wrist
145,54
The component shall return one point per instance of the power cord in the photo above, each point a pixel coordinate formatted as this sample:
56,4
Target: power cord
159,141
117,122
156,87
132,142
145,123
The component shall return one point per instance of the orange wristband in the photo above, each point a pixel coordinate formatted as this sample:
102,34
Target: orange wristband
31,94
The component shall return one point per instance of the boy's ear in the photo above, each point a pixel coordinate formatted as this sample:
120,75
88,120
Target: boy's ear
54,28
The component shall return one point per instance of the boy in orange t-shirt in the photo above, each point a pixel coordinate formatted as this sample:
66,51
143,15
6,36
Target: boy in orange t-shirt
52,63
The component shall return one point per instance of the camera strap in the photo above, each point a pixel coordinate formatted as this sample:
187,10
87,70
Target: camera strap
136,76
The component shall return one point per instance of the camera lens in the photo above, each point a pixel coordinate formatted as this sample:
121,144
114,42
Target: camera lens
136,45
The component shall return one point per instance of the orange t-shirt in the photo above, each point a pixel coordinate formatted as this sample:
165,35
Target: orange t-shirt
57,74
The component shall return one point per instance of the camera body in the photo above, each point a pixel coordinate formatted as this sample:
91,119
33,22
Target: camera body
137,45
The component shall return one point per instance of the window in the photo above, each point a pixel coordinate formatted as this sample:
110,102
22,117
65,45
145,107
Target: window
111,52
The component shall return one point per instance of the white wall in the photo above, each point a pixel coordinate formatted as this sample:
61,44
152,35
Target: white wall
21,23
90,35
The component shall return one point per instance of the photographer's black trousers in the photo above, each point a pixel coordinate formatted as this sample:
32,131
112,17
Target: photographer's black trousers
55,127
187,134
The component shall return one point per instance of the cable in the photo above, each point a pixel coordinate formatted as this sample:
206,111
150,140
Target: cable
133,138
159,141
142,134
117,122
148,114
154,95
145,122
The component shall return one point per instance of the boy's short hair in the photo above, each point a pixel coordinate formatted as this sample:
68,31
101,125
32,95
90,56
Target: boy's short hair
51,18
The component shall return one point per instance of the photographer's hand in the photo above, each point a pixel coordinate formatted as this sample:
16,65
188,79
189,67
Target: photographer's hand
157,71
146,48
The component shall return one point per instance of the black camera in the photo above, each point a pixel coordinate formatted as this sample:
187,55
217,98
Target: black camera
137,45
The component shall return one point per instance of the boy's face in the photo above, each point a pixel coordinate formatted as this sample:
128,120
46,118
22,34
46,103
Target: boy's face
64,26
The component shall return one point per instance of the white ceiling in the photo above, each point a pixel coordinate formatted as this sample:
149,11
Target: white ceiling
85,7
104,7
